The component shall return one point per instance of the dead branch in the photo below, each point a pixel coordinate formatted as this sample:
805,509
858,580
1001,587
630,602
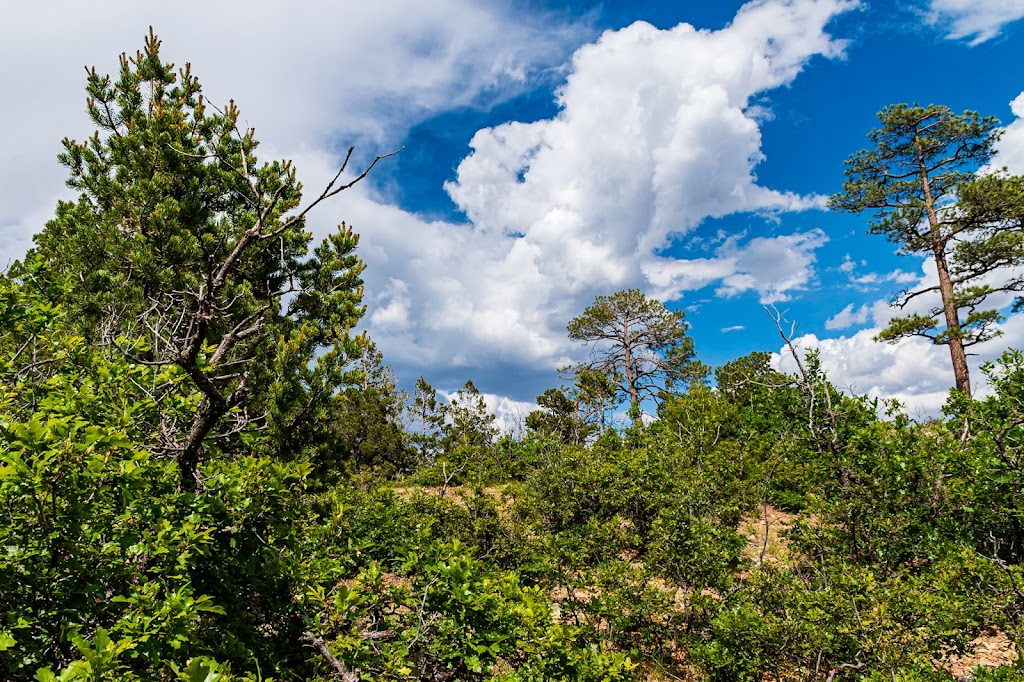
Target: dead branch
340,670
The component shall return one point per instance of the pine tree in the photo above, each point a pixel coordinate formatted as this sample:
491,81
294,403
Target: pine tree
923,159
369,424
187,252
427,416
470,424
639,344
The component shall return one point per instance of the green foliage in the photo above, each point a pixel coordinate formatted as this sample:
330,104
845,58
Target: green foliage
914,143
986,491
748,381
1003,673
693,551
427,416
559,418
470,424
656,500
466,451
369,427
574,415
600,557
453,617
94,533
841,622
991,209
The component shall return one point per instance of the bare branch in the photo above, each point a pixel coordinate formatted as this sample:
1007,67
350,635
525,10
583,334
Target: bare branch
339,668
329,192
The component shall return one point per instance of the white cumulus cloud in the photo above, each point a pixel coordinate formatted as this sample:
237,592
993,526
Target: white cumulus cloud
309,75
657,130
655,133
772,266
914,371
974,20
850,316
1010,148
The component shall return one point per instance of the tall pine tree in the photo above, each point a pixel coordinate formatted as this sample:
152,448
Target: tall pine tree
923,159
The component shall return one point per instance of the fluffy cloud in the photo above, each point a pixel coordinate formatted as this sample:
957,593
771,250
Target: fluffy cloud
911,371
562,210
871,281
657,131
770,266
874,278
1010,148
974,20
849,265
306,75
683,144
849,317
914,371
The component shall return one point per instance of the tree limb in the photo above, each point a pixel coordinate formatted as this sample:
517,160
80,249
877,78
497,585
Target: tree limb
340,670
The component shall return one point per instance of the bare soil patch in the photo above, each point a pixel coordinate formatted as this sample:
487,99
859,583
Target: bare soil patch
990,650
457,494
764,530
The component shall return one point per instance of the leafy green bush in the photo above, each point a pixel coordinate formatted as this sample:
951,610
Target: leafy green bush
453,617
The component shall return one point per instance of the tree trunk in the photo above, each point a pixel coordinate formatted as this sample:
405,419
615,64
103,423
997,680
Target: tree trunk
634,393
956,343
961,373
204,420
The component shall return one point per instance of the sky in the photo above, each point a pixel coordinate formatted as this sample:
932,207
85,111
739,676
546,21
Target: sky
557,151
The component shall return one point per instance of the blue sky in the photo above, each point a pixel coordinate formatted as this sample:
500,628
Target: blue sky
557,151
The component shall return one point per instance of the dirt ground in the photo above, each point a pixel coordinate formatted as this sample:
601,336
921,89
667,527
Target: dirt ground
990,650
764,532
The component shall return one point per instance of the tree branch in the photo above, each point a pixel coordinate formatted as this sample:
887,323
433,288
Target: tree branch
340,670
